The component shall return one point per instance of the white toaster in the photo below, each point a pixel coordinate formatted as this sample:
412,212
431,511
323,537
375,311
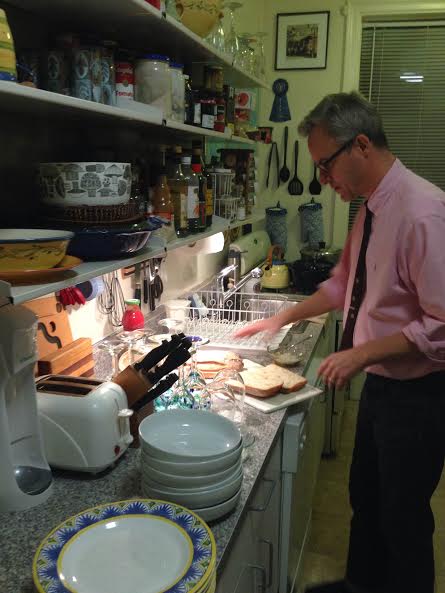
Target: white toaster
84,422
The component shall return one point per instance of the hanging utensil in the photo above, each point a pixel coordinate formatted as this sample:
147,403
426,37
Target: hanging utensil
285,173
314,186
137,286
145,284
273,151
295,187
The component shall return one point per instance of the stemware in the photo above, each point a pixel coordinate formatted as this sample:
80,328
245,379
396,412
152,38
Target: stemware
217,37
195,376
242,57
173,325
232,42
130,339
113,347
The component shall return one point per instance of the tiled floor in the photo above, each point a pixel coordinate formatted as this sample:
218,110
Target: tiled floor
328,544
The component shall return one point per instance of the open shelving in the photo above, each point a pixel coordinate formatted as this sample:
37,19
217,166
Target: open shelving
88,270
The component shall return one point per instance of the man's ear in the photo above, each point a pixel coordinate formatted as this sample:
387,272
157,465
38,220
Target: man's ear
364,143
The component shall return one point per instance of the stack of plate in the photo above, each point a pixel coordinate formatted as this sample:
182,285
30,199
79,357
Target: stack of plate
128,546
192,457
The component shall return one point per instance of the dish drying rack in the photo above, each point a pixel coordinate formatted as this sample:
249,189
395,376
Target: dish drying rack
218,320
226,205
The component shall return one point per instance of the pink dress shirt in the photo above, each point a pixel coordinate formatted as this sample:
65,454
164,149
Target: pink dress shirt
405,264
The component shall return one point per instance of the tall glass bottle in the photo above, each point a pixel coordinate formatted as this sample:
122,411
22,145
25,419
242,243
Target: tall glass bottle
162,203
202,185
192,181
179,189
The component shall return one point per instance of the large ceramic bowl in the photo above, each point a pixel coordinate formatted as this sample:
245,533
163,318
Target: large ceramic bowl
85,184
32,249
177,435
200,16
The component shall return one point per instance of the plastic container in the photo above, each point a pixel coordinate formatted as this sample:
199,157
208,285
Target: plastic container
177,309
133,318
178,91
154,83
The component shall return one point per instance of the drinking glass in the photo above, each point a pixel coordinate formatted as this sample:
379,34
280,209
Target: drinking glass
130,339
260,54
195,376
174,326
113,347
232,41
227,398
217,37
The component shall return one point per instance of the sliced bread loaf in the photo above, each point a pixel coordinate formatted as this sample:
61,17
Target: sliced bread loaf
261,383
291,381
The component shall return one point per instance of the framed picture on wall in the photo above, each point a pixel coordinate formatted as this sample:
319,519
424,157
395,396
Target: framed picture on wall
301,41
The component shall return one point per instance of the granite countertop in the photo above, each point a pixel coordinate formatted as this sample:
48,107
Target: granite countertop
21,532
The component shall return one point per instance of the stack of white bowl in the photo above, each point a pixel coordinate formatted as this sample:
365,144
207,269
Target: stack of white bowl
192,458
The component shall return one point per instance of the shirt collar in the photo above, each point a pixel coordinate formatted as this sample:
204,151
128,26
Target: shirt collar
386,187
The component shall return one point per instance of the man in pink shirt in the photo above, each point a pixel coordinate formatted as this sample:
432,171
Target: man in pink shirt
390,283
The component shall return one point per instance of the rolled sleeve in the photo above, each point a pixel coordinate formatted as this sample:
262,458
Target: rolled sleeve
335,287
425,264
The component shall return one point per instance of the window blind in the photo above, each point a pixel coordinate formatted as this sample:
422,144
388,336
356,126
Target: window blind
402,73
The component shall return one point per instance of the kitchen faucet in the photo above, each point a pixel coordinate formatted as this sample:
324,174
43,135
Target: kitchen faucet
223,295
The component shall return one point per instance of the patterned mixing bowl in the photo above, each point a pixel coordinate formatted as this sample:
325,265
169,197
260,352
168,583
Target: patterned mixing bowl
85,184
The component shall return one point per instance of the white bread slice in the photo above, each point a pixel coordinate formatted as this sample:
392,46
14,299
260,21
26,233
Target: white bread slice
261,383
291,381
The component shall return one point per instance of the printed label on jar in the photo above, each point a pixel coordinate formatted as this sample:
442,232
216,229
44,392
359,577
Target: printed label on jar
208,121
209,202
193,202
124,80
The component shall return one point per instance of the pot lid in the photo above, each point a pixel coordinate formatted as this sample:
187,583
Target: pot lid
320,251
276,210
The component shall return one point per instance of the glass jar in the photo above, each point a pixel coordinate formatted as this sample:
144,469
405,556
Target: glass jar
178,91
133,318
154,83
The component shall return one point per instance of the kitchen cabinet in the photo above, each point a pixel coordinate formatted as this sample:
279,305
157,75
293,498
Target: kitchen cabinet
253,562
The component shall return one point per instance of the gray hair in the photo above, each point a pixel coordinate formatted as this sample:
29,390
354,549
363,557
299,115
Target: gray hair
344,116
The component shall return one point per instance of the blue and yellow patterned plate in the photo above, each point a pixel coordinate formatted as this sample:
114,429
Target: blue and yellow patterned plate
130,546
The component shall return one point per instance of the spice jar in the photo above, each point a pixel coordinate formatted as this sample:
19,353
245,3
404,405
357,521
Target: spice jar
208,112
133,318
178,91
220,117
153,82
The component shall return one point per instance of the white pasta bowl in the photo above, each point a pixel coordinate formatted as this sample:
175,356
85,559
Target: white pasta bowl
188,482
178,435
85,184
218,510
196,498
193,468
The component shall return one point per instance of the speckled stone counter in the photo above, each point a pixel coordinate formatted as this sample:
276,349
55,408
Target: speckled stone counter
21,532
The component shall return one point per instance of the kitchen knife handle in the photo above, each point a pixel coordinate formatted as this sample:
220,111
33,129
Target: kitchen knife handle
173,361
158,390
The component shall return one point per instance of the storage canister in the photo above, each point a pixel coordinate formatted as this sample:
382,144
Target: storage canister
86,73
276,225
108,73
153,82
178,91
7,53
312,231
124,81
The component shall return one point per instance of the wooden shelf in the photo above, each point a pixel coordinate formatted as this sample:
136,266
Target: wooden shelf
88,270
137,24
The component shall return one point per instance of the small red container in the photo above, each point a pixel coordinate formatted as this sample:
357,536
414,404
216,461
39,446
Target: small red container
133,317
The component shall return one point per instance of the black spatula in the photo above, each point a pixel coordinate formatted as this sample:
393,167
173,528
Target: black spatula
295,187
314,186
285,173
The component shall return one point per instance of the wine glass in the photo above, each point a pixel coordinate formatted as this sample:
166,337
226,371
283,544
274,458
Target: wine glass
232,43
217,37
180,396
195,376
173,325
227,393
113,347
131,338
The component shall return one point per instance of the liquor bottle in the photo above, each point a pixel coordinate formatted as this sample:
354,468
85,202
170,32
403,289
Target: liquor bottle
209,195
162,203
202,185
192,181
178,190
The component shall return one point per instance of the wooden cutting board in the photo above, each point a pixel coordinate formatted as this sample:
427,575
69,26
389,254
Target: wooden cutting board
53,329
74,359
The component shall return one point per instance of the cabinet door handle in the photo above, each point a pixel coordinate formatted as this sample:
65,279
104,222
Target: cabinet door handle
261,569
261,509
269,544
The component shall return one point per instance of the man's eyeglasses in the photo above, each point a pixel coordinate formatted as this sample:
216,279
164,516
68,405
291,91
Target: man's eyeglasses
324,165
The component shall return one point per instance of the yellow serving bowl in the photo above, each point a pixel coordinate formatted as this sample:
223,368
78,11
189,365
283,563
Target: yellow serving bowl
32,249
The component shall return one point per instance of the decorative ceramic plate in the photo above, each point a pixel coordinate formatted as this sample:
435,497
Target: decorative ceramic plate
16,277
127,546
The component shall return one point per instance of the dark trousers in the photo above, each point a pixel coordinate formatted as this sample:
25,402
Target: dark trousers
397,463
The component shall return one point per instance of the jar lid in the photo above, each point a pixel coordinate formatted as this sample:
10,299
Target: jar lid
132,302
176,65
156,57
186,160
312,205
276,210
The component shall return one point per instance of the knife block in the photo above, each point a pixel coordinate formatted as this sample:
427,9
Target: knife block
135,386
